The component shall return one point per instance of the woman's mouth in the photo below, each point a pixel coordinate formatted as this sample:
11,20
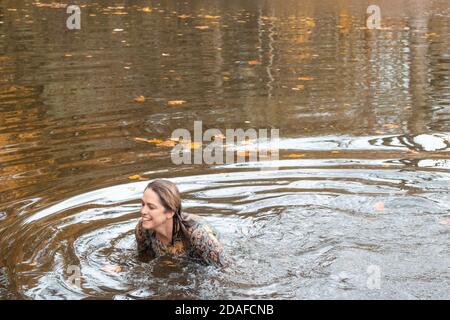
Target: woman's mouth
146,219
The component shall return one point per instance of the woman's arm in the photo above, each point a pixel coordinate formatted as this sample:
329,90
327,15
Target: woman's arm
205,243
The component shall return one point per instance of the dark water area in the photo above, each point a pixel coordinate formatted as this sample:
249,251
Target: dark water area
361,186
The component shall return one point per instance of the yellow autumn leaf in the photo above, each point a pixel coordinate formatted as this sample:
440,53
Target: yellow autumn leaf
148,140
254,62
195,145
184,16
139,99
175,102
211,17
135,177
202,27
296,155
305,78
167,143
147,9
391,126
299,87
310,22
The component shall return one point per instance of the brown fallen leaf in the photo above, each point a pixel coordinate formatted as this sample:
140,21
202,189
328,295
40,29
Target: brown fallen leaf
111,269
136,177
148,140
167,143
391,126
210,17
139,99
310,22
305,78
175,102
191,145
296,155
379,206
299,87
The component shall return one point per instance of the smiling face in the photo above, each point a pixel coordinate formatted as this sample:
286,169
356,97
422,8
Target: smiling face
153,213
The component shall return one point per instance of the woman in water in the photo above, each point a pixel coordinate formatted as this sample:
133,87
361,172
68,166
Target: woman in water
164,229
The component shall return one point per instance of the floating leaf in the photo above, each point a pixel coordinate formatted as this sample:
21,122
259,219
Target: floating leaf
391,126
135,177
111,269
296,155
139,99
310,22
305,78
191,145
175,102
211,17
167,143
148,140
299,87
52,5
379,206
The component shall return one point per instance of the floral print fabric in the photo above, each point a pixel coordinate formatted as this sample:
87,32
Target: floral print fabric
198,241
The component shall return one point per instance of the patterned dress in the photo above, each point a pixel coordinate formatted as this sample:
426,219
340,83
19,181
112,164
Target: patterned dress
193,238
